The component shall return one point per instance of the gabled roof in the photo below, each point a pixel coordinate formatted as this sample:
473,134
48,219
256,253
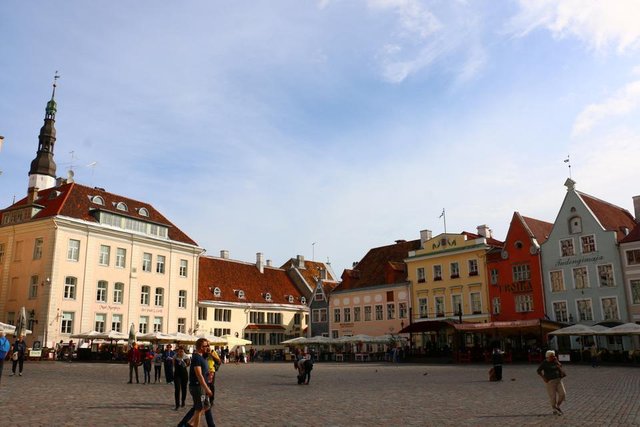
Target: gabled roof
540,230
380,266
612,217
311,271
231,276
74,200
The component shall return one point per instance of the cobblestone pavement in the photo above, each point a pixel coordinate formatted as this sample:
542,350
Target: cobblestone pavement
365,394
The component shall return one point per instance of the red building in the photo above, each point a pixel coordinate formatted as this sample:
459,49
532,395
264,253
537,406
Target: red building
514,273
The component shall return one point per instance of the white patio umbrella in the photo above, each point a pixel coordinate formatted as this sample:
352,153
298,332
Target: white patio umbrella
319,339
156,337
577,330
90,335
231,340
21,324
213,339
10,329
624,329
296,341
115,335
183,338
132,335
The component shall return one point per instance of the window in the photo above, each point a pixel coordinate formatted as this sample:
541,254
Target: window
580,279
202,313
66,323
121,206
319,296
585,313
143,324
118,292
473,267
494,276
303,300
347,314
160,264
379,314
391,311
560,311
70,287
456,304
315,315
521,272
33,287
182,325
575,225
297,319
105,252
422,306
402,310
476,302
101,291
221,331
439,306
183,267
319,315
357,314
290,299
566,247
222,315
557,281
121,258
98,200
588,244
157,324
420,274
101,318
159,297
610,308
455,270
17,254
182,299
146,262
37,248
73,250
495,305
524,303
605,275
633,256
143,212
1,252
217,292
336,315
267,296
275,338
437,272
144,295
635,291
241,294
367,313
116,322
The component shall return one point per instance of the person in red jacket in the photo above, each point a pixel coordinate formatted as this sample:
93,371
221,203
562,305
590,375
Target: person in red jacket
134,361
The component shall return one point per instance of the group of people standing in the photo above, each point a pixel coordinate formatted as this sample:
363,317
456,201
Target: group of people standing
147,357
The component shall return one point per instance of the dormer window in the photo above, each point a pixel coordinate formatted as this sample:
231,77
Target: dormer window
216,292
303,300
143,212
290,299
241,294
98,200
121,206
267,296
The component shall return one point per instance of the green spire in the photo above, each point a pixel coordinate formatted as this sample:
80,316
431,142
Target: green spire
52,107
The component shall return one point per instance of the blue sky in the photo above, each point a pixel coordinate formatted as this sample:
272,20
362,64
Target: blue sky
266,126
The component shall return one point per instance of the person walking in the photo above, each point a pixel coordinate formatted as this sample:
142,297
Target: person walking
497,358
5,346
157,365
18,355
147,357
180,377
133,356
198,388
169,354
552,373
307,366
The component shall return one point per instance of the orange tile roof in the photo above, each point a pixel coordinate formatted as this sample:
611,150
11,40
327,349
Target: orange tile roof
539,229
74,200
612,217
633,236
490,240
311,270
231,276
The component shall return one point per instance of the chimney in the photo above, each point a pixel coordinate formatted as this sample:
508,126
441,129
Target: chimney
260,262
300,261
636,207
424,236
484,231
32,194
224,254
269,263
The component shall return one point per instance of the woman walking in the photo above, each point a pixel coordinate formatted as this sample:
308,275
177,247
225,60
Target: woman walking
181,376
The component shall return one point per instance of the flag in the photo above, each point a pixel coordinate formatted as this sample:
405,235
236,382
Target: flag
442,214
566,160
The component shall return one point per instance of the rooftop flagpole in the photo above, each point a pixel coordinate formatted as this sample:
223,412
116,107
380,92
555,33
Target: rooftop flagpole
444,218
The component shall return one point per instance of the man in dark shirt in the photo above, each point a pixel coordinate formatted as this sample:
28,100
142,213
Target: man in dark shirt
198,387
551,372
134,360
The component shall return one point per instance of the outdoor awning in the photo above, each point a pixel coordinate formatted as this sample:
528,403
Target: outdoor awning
426,326
265,327
534,325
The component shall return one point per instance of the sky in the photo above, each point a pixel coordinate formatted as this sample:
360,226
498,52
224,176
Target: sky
326,128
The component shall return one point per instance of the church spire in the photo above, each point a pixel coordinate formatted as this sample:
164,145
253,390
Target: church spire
42,174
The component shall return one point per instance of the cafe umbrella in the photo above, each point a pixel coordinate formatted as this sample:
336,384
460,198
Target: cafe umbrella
21,324
132,335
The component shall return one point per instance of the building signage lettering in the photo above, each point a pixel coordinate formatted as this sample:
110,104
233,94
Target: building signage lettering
152,310
443,242
579,261
517,287
110,307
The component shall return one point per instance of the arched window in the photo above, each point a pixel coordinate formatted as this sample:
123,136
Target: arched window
98,200
143,212
122,206
241,294
290,299
267,296
303,300
216,292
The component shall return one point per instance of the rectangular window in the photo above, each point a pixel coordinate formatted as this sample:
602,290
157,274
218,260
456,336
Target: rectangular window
403,311
473,267
182,325
588,244
297,319
160,260
566,247
1,253
494,276
73,250
221,331
182,299
456,304
202,313
37,248
70,287
580,279
390,296
143,325
391,311
420,275
635,291
183,267
347,314
319,296
610,308
560,311
524,303
222,315
495,305
157,324
116,322
33,287
437,272
105,254
633,257
367,313
422,306
146,262
557,281
455,270
521,272
356,314
101,291
99,325
17,254
379,312
144,295
159,297
476,302
439,301
315,315
605,275
121,257
585,312
118,292
336,315
66,323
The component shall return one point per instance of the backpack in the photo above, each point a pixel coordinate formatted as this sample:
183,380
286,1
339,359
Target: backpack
4,347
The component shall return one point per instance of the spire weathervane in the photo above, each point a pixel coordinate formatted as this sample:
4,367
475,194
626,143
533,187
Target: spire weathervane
52,108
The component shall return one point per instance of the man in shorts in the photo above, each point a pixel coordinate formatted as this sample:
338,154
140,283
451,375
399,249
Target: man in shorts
198,387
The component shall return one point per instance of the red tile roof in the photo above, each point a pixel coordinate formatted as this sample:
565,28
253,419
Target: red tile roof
612,217
539,229
633,236
232,276
74,200
490,240
311,271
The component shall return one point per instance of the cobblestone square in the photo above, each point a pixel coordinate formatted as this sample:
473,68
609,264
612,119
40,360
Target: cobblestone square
365,394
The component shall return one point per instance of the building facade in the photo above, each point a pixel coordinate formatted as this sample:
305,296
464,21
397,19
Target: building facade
630,258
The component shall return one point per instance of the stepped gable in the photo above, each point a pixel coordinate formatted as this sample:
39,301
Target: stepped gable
232,276
539,229
612,217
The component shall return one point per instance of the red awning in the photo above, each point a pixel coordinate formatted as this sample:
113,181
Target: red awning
267,327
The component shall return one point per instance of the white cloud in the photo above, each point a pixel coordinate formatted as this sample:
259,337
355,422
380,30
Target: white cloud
623,102
598,23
